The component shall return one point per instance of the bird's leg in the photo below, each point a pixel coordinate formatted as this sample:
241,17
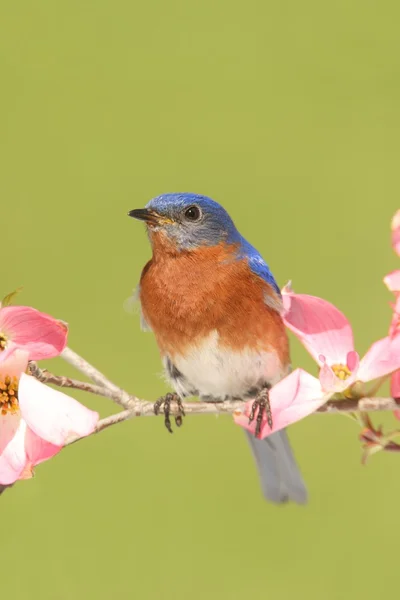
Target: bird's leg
264,408
165,403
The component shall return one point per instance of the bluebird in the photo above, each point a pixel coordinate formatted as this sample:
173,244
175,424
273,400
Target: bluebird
215,310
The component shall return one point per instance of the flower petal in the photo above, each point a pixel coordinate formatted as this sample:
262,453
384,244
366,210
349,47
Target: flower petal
37,449
295,397
395,390
394,328
41,335
14,363
352,361
395,385
395,225
52,415
330,383
392,281
382,358
12,448
320,326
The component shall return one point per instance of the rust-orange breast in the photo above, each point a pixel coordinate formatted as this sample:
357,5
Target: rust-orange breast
187,294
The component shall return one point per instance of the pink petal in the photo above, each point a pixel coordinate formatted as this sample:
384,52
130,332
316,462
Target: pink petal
395,225
396,306
392,281
37,449
395,385
41,335
52,415
395,390
320,326
14,363
327,378
12,448
353,361
382,358
295,397
394,328
331,383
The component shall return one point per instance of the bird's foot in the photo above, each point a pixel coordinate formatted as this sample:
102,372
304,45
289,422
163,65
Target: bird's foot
165,403
264,408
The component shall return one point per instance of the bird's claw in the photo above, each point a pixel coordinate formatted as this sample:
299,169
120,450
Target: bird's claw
165,403
264,408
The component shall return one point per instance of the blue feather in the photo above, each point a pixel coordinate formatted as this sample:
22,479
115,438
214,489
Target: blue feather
217,227
257,264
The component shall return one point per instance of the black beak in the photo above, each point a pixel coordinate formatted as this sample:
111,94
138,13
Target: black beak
144,214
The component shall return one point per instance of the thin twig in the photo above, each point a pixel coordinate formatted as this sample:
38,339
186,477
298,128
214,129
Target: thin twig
106,422
143,408
87,369
134,407
95,375
118,396
363,405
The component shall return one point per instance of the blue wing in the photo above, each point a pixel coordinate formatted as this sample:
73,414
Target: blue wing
258,265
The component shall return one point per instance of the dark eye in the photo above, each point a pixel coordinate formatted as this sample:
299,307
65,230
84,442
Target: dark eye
192,213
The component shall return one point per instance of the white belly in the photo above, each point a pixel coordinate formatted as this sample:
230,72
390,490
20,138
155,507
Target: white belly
209,370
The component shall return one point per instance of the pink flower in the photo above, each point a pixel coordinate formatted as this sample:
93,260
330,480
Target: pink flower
28,329
394,330
395,390
327,335
392,281
35,420
295,397
395,226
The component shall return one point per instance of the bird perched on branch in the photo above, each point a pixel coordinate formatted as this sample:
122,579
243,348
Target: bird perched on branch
215,310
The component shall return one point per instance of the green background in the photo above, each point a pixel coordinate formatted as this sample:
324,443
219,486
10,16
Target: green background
288,114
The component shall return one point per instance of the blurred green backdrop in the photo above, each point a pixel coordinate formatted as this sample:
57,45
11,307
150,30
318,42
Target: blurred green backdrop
288,114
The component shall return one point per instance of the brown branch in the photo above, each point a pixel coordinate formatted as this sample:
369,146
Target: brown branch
363,405
134,407
143,408
87,369
118,396
104,423
95,375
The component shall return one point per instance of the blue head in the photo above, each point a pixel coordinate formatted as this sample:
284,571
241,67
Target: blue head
189,220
